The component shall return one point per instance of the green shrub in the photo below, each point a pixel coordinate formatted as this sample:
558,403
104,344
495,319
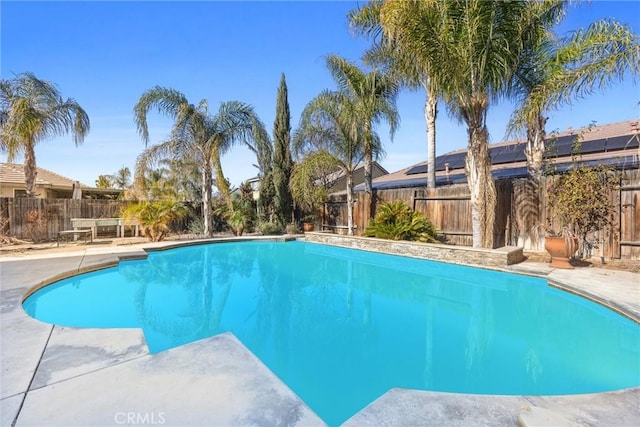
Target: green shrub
154,217
397,221
239,221
267,228
196,226
292,228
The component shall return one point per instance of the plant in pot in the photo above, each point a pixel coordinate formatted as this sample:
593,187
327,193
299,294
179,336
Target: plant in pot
308,222
580,203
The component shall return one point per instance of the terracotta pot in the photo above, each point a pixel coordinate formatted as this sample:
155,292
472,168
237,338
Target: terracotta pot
561,249
307,226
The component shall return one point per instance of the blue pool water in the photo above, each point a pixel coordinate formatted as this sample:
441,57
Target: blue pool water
341,327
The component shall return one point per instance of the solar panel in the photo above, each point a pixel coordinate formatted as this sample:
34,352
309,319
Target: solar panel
514,153
510,173
595,146
520,156
519,172
506,154
560,147
622,142
413,182
458,178
456,161
623,162
417,169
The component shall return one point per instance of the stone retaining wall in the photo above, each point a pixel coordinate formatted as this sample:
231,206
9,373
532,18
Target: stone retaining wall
500,257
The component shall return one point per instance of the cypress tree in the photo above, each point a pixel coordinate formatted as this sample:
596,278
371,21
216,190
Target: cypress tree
282,161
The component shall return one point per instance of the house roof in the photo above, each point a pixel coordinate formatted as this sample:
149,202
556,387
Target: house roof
614,144
14,173
333,177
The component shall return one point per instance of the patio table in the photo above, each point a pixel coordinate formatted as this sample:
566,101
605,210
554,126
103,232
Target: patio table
94,223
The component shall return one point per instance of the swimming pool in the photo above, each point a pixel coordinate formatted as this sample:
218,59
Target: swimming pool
340,327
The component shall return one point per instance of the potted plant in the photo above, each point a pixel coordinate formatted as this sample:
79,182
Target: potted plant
580,204
308,222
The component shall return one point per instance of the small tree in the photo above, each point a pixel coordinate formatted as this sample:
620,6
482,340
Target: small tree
155,217
244,217
282,162
309,181
267,206
580,200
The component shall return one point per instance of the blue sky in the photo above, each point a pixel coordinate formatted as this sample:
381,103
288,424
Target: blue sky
106,54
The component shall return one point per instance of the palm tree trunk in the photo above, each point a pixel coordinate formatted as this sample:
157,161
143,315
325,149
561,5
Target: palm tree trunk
368,165
430,114
481,186
207,180
350,202
221,182
30,169
535,145
530,219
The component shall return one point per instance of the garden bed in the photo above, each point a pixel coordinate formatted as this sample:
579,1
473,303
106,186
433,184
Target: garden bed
500,257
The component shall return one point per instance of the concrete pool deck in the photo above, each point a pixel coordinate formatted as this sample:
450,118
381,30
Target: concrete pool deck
63,376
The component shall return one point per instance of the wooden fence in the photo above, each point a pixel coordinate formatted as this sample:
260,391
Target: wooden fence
629,223
521,212
41,219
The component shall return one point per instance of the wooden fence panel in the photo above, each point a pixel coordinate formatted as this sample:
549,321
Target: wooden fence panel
629,244
522,214
449,210
41,219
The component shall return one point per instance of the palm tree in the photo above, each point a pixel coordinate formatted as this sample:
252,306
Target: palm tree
122,178
184,175
373,97
399,64
32,110
103,181
200,135
151,182
332,125
310,180
553,72
471,49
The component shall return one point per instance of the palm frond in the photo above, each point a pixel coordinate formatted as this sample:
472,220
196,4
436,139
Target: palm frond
166,101
32,110
365,20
